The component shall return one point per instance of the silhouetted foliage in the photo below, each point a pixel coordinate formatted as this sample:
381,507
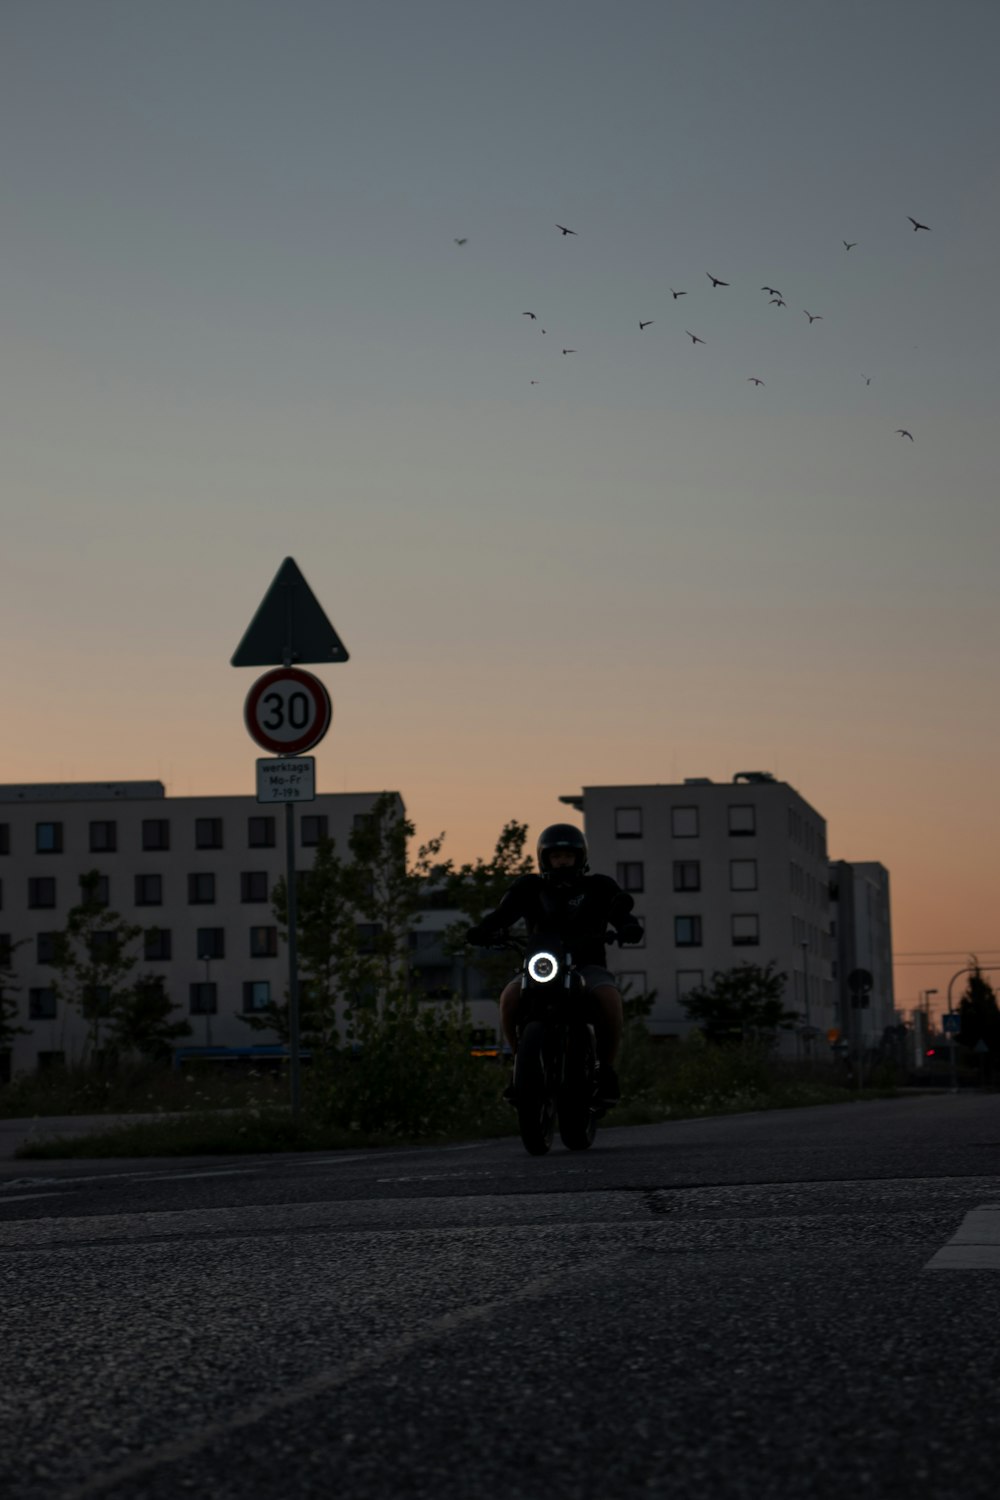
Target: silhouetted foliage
740,1004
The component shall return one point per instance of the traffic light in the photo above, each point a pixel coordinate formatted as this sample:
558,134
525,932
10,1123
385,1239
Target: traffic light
930,1052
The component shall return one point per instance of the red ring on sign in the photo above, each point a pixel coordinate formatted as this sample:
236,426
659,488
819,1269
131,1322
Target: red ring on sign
316,690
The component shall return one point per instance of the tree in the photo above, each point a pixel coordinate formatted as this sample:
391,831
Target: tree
740,1003
979,1014
478,888
93,962
353,926
326,929
9,990
386,890
142,1023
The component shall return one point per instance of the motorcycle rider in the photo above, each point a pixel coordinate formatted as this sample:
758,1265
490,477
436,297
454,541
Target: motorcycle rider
564,899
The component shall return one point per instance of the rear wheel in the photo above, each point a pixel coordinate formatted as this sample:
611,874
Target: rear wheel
577,1117
536,1113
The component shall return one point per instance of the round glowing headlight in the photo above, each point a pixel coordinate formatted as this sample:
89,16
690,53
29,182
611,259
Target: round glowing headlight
542,967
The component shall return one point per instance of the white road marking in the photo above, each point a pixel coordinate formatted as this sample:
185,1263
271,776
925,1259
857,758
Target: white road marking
975,1245
23,1197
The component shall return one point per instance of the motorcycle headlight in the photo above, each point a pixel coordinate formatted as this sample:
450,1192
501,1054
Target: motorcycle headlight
543,967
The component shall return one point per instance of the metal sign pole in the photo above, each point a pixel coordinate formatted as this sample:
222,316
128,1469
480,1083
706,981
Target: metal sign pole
293,917
293,960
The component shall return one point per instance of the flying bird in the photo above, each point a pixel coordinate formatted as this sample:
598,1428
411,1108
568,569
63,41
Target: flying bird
813,317
534,382
903,433
693,337
675,295
646,324
569,351
715,280
849,245
772,290
867,379
565,230
777,301
917,226
754,380
529,315
462,242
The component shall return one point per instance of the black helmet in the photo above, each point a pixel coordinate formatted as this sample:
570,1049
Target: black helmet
562,836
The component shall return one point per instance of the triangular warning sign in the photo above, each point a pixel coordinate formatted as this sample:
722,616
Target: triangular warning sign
289,626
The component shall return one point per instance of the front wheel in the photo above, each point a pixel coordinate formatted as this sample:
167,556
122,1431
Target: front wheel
536,1113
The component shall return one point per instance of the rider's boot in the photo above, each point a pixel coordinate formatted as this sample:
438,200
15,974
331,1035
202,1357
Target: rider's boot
607,1091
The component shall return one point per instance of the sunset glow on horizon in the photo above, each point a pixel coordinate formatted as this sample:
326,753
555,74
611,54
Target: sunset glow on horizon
237,326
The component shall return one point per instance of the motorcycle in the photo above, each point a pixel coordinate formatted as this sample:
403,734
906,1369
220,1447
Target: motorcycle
555,1067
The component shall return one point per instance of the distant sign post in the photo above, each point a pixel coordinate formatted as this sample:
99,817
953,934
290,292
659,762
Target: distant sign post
288,711
859,982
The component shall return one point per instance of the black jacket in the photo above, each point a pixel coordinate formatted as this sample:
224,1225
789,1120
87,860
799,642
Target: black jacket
579,912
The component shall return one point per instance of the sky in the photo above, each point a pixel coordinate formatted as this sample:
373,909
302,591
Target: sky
235,326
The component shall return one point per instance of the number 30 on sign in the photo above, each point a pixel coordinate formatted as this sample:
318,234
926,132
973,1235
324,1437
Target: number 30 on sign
287,711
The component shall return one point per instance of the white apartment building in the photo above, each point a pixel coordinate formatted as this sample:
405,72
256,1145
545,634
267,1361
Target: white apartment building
862,931
721,873
195,872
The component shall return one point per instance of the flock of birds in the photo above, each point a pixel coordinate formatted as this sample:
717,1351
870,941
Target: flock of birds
774,295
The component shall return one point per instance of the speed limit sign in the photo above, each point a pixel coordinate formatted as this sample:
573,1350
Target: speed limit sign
287,711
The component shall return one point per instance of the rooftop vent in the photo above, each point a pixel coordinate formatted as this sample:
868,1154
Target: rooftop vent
697,781
754,776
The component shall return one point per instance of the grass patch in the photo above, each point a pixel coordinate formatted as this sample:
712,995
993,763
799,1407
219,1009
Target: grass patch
447,1097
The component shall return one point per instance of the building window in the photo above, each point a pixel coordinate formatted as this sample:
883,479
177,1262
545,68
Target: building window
201,889
684,822
631,983
687,875
42,1003
260,833
4,838
41,892
628,822
103,838
46,947
208,833
211,942
6,950
742,819
742,874
1,895
157,944
253,885
48,838
256,994
95,892
313,829
149,890
688,980
156,833
687,932
630,875
745,930
203,998
263,942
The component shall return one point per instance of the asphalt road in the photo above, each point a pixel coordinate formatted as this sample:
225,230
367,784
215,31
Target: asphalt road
734,1307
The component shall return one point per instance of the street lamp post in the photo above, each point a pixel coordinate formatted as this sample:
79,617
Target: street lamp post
207,960
926,1007
805,988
